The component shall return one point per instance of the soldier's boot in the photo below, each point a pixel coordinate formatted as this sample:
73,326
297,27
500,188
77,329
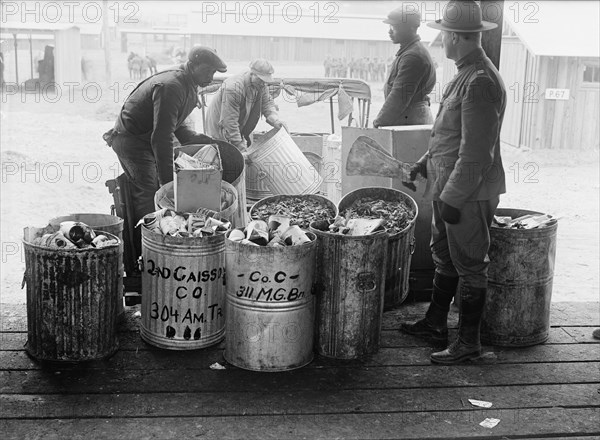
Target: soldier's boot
467,345
434,326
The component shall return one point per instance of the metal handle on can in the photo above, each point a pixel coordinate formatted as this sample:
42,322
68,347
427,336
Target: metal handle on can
366,281
140,263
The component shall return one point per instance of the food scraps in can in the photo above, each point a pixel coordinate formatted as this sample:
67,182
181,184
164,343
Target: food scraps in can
396,214
72,235
356,226
276,233
300,211
169,222
529,221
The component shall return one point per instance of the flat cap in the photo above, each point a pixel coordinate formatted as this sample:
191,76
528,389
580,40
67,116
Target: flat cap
206,55
407,14
263,69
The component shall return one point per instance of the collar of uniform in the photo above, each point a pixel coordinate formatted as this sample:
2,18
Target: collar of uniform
188,74
470,58
407,45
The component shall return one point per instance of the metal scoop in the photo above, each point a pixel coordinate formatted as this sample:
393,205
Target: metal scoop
368,158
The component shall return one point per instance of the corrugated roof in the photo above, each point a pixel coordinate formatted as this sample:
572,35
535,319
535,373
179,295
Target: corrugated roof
49,28
554,28
349,27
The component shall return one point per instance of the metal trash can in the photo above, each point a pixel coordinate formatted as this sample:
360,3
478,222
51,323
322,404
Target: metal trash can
105,223
282,166
71,300
349,287
270,305
401,245
183,290
520,275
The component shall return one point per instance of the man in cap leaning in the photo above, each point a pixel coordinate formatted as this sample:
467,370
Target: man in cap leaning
236,108
412,74
152,115
465,178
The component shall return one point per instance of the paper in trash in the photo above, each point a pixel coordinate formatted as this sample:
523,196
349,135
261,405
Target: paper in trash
489,423
481,403
217,366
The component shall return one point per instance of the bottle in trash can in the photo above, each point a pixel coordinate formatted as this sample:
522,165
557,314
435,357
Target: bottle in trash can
77,232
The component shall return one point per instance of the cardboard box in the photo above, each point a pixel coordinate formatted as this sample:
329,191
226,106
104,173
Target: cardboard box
196,188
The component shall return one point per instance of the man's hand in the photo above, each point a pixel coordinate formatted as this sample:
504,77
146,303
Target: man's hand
414,170
279,123
376,124
201,138
450,214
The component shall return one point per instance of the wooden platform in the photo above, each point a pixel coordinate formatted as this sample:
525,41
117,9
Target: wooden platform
546,391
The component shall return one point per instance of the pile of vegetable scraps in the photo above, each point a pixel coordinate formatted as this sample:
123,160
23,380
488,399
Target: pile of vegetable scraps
397,214
301,211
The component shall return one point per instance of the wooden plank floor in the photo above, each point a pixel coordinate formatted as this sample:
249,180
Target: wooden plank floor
546,391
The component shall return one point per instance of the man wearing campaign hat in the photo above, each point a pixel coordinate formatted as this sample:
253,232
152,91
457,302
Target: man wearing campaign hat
412,74
153,115
465,178
238,105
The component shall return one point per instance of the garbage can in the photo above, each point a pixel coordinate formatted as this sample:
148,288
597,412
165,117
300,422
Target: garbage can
105,223
520,275
349,287
270,305
183,290
71,300
401,245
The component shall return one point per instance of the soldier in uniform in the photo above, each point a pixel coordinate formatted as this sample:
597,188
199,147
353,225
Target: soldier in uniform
465,178
412,75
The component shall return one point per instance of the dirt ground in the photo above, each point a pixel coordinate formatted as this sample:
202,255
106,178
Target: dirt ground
54,162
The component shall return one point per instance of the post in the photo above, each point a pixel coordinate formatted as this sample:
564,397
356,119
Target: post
16,61
491,41
31,55
331,112
106,40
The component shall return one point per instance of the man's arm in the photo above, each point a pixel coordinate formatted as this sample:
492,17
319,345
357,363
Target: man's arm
410,73
269,110
187,135
480,116
167,101
231,100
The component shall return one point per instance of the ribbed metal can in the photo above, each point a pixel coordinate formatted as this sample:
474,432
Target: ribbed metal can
349,287
401,245
270,305
71,301
183,291
104,223
285,167
520,277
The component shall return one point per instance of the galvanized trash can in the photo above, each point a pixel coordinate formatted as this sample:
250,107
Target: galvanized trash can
270,305
401,245
71,301
349,287
105,223
281,165
520,275
183,290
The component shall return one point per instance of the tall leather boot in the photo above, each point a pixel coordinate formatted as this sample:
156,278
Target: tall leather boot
434,326
467,345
